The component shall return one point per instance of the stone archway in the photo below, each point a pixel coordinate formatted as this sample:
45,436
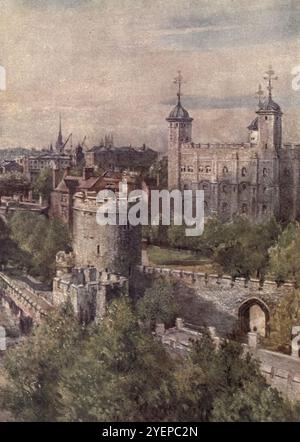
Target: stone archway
254,316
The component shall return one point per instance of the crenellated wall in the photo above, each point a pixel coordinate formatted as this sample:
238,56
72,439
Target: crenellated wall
89,291
212,300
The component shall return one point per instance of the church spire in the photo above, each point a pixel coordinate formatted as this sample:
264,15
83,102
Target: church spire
59,142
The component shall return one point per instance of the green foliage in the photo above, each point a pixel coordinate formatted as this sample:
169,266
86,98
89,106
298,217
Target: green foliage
43,184
40,238
118,377
224,385
285,316
158,304
34,367
244,250
239,248
117,371
285,256
10,253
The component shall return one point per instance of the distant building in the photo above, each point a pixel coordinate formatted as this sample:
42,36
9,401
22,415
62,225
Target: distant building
10,166
59,158
107,156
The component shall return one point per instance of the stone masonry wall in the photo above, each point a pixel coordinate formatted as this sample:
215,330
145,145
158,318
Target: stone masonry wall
210,300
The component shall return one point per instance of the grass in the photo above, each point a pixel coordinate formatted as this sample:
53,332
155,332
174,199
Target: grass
177,259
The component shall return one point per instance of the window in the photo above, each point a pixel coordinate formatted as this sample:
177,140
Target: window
207,169
98,249
287,172
244,208
266,117
244,186
224,188
264,209
225,170
183,168
190,169
265,172
201,169
244,171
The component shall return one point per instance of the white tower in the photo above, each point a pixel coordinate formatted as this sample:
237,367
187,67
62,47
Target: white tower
180,131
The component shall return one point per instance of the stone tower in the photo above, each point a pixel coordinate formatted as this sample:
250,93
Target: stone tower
180,131
112,248
269,120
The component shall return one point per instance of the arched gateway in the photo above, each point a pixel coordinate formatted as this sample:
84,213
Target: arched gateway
254,315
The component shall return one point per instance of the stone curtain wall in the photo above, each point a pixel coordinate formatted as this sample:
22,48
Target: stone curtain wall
210,300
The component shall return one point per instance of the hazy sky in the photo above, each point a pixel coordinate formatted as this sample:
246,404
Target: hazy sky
108,65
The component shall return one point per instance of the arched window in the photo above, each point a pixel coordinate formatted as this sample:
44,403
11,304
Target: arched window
264,209
224,188
265,172
244,171
201,169
207,169
225,170
244,186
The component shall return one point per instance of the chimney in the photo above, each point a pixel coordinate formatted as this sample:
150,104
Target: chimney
88,172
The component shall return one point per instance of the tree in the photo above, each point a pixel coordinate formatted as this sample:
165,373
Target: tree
123,374
43,184
224,385
41,239
158,304
245,247
35,367
285,256
117,371
285,316
9,250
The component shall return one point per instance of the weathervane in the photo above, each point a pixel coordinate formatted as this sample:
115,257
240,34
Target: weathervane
259,94
270,77
178,80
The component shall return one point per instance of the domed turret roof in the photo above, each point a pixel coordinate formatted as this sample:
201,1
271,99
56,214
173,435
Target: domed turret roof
254,124
269,104
179,113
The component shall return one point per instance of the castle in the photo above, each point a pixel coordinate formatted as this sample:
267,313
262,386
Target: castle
258,178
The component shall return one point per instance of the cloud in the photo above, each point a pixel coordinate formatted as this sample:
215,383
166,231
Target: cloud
232,27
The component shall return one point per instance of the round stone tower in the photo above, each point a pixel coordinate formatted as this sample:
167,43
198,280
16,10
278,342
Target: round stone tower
114,248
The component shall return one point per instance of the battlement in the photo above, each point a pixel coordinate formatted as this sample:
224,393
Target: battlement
88,290
192,145
210,279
